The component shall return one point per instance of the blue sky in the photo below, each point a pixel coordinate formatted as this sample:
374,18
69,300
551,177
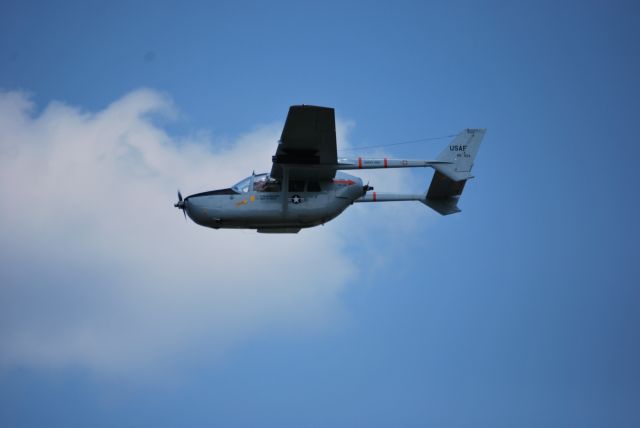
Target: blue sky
521,310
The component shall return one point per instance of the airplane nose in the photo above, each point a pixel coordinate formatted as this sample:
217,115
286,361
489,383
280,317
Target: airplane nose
195,209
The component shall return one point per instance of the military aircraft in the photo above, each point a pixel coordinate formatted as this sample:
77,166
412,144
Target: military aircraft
305,187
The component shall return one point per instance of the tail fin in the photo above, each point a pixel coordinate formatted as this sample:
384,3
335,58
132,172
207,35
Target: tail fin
443,194
461,152
449,179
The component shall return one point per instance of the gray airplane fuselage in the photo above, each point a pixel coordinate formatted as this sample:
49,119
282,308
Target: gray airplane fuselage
306,186
257,203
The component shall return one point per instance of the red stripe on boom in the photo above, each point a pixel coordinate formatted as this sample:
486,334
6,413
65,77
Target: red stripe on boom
374,196
385,162
359,163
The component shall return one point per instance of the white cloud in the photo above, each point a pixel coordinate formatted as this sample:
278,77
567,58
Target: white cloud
100,270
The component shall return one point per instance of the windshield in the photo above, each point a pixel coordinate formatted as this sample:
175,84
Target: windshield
242,186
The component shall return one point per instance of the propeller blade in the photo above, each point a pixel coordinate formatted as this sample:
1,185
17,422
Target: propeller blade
181,205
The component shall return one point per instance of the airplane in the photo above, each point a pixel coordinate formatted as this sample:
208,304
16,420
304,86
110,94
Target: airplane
306,188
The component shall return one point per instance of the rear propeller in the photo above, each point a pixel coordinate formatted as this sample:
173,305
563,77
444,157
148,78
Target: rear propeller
181,205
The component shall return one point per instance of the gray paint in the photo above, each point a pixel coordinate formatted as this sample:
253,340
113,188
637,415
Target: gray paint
306,153
265,210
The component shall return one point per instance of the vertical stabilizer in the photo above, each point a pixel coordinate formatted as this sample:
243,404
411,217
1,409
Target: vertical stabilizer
449,179
461,152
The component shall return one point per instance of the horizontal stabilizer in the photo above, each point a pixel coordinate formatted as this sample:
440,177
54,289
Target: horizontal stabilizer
443,207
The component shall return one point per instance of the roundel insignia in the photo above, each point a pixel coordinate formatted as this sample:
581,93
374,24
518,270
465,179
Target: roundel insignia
296,199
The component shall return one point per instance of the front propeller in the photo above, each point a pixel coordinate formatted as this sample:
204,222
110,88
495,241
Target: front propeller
181,205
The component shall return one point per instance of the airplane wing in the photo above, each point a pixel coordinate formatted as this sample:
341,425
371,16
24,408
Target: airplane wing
307,146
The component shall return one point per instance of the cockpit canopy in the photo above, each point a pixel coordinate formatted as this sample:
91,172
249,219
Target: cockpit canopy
266,183
261,183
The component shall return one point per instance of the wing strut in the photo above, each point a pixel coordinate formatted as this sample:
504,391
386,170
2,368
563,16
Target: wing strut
285,188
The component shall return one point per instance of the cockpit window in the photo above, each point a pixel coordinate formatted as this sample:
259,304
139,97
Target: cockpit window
264,183
242,186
